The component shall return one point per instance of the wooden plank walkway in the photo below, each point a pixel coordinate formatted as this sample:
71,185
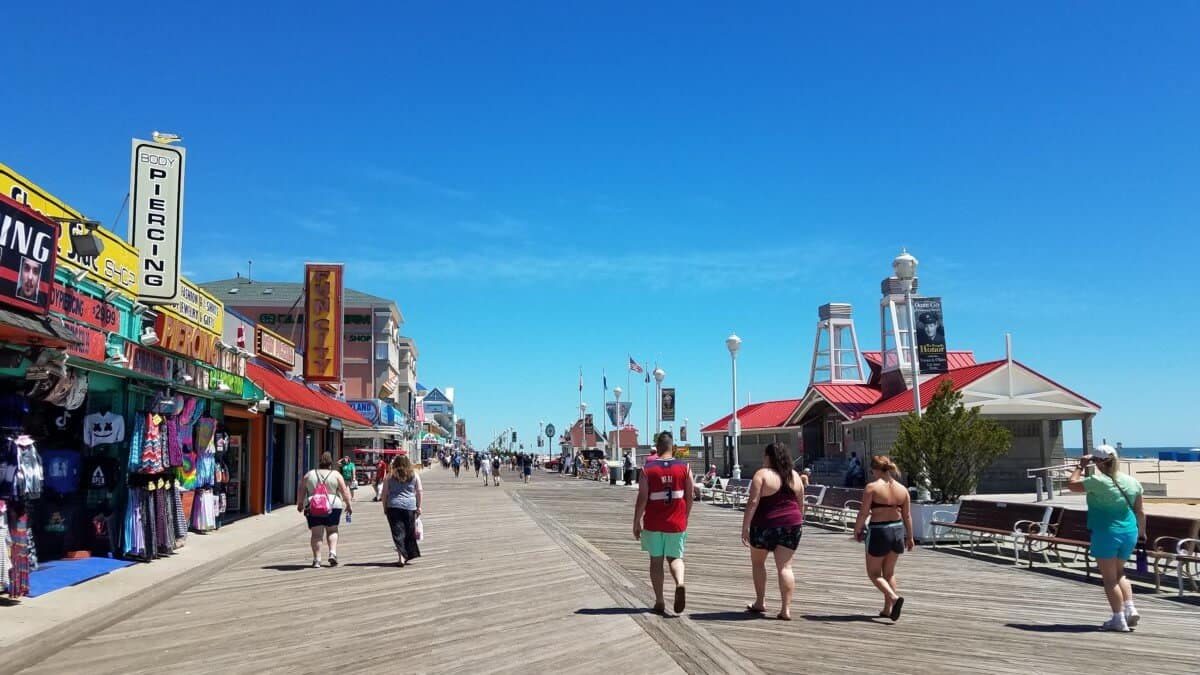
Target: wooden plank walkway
961,614
546,577
492,593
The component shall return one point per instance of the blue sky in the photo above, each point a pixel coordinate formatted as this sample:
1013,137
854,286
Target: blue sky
548,186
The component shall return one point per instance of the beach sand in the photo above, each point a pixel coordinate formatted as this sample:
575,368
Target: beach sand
1181,480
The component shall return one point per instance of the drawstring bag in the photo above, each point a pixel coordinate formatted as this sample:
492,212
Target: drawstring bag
320,503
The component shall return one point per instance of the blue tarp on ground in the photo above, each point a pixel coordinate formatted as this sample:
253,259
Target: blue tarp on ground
56,574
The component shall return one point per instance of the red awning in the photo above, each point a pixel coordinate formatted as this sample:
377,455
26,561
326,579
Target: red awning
293,393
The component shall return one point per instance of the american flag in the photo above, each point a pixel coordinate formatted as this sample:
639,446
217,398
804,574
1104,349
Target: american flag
633,365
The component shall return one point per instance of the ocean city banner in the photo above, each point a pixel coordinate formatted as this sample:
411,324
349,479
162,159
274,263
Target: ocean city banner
931,335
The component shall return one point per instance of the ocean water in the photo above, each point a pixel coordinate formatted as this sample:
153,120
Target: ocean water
1133,453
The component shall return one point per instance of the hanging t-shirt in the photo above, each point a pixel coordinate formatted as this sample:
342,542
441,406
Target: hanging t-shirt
58,527
100,473
102,428
62,470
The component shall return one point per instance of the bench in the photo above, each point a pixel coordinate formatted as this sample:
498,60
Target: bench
813,495
985,520
1068,527
711,492
1187,559
736,492
1164,537
837,505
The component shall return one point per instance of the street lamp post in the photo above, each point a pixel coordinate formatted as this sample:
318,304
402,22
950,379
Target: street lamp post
617,421
733,343
905,267
659,376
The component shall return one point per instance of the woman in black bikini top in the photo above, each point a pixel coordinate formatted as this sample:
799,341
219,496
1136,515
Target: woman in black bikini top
885,539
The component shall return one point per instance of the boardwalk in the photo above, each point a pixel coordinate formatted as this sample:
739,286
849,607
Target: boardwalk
546,578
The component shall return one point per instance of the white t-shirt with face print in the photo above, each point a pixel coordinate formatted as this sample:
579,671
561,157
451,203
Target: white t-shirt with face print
103,428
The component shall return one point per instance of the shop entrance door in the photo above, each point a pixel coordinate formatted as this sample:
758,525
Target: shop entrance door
283,463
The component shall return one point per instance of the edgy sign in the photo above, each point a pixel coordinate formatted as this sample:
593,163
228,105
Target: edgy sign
156,218
179,336
86,309
28,246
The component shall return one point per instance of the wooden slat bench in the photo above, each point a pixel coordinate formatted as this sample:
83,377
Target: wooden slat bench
838,506
1068,527
1164,534
993,521
1187,558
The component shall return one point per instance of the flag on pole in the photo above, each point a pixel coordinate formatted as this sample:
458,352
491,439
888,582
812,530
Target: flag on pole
633,365
605,376
581,380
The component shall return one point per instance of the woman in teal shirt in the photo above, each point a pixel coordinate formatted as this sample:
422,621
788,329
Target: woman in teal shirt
1117,522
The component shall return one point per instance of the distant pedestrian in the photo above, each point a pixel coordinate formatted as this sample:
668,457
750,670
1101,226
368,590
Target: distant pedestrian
627,465
456,463
660,518
854,472
772,525
526,467
890,532
1117,521
487,471
381,474
495,470
346,464
478,464
402,496
321,497
806,477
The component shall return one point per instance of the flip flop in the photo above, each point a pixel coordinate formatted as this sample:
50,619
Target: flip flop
896,607
885,615
680,599
755,610
781,617
660,609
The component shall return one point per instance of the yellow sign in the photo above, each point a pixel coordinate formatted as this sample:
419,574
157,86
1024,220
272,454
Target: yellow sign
197,307
322,323
109,260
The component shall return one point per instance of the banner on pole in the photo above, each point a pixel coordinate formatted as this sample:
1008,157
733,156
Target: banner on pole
931,336
611,408
667,403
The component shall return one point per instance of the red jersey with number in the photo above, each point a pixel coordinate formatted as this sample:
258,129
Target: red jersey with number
666,509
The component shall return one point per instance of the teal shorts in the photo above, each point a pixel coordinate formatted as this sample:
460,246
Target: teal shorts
1107,545
663,544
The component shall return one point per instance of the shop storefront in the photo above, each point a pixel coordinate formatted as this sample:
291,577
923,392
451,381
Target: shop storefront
302,424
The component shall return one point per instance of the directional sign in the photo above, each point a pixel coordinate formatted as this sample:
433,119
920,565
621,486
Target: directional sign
549,431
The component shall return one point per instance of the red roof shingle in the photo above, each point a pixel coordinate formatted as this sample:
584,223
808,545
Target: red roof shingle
764,415
959,378
291,392
850,399
959,359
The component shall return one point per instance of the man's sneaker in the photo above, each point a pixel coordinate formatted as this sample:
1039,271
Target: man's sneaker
1132,617
332,560
316,564
1115,625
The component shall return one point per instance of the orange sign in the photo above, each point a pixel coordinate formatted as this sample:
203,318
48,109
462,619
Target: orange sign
275,348
189,339
323,322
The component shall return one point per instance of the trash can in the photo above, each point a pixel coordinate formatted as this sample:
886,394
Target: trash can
612,473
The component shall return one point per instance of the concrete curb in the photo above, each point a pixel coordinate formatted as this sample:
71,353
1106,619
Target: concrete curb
28,650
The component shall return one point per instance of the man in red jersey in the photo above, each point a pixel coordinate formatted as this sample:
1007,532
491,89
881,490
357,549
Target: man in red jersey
660,519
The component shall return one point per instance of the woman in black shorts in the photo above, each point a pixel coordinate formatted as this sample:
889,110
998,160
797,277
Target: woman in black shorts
888,534
774,514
